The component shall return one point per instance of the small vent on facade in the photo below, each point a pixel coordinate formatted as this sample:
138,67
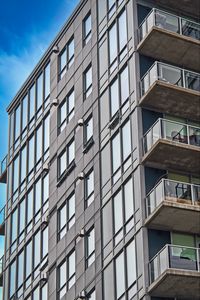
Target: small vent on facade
46,167
80,122
82,295
81,176
44,276
45,220
82,233
55,49
55,102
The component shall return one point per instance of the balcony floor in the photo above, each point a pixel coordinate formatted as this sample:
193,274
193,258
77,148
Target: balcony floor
177,283
183,51
172,99
174,156
175,215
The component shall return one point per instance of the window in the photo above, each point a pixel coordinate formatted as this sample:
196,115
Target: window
66,111
119,91
31,103
66,216
118,214
117,37
121,151
66,158
47,84
87,29
87,82
39,98
66,273
66,58
28,265
12,281
24,113
125,272
90,247
91,295
88,130
89,188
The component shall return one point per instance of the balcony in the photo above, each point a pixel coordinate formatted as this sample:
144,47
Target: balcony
171,90
1,271
170,38
174,206
2,221
3,170
188,7
175,272
172,146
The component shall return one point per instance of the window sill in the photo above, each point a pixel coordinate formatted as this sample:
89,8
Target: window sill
69,169
88,145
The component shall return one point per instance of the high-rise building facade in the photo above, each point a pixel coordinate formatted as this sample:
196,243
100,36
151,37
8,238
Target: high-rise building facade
103,163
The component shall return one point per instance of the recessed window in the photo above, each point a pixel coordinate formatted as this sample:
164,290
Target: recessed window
87,82
66,111
66,216
88,130
89,187
66,158
90,247
87,29
66,58
66,274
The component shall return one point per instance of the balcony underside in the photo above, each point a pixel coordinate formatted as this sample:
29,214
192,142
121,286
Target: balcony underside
171,99
171,47
3,177
176,283
174,156
187,7
175,215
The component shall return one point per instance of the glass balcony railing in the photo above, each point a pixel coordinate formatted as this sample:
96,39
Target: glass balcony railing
177,257
169,22
169,74
2,215
174,191
173,131
3,165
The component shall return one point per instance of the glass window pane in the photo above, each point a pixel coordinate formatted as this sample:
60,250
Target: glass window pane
12,278
63,217
39,91
71,264
16,174
71,206
116,152
89,184
112,43
118,211
63,274
71,152
17,122
87,25
23,164
47,80
30,206
124,82
122,31
36,294
89,129
108,283
46,133
88,78
31,154
32,102
28,259
62,113
14,226
39,143
24,112
126,139
44,292
70,102
38,194
114,97
71,49
45,188
44,242
20,269
128,198
37,249
22,216
62,163
120,276
90,243
131,263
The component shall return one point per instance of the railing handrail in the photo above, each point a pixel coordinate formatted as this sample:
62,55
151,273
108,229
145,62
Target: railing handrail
183,70
170,121
170,180
167,13
172,246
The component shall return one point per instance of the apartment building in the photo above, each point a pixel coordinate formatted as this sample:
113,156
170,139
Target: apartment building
103,162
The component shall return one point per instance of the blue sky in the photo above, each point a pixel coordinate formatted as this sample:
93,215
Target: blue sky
26,30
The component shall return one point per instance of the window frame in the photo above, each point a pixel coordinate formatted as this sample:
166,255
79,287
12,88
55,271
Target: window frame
87,35
89,255
69,60
87,90
69,113
66,226
89,198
